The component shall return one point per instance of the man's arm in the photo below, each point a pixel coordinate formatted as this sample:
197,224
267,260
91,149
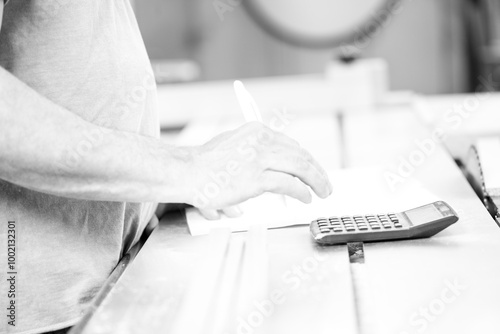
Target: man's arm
47,148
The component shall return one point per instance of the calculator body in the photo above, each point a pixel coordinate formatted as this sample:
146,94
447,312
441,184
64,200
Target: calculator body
421,222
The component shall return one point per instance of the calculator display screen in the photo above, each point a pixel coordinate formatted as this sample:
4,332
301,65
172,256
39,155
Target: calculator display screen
423,215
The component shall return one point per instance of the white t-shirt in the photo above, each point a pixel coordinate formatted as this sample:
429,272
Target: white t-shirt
89,57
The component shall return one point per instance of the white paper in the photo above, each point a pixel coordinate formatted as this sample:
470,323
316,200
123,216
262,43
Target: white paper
489,153
356,191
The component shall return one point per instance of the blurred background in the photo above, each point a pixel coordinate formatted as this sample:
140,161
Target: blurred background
432,47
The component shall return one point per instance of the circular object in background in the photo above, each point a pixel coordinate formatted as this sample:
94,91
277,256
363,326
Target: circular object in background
321,23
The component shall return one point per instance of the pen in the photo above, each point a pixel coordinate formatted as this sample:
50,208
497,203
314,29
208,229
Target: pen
250,110
249,107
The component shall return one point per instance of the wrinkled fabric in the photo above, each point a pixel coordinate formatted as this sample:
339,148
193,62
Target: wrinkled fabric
87,56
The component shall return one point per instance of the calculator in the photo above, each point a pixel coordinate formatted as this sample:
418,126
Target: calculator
421,222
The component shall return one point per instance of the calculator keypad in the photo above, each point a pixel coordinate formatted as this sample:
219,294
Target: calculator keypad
358,223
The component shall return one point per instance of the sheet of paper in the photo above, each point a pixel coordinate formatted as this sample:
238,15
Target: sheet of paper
489,151
356,191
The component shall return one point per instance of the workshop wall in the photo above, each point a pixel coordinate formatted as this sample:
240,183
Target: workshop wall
422,43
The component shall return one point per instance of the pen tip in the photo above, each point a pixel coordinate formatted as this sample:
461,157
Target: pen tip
238,83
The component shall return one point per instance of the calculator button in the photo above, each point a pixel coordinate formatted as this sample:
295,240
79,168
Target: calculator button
376,227
350,228
363,228
387,226
398,225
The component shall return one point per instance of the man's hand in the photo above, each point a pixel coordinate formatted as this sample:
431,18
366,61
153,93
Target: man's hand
247,162
126,167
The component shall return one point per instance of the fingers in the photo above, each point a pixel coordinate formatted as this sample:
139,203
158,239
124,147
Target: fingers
277,164
284,154
210,214
306,155
299,163
232,211
285,184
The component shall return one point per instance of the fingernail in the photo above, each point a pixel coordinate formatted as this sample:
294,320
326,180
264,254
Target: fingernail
233,212
214,215
238,210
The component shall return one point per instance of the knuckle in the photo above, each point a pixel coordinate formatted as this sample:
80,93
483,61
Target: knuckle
305,154
264,184
255,126
301,164
293,141
266,134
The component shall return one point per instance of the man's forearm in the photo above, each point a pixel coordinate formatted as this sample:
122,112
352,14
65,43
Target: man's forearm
49,149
